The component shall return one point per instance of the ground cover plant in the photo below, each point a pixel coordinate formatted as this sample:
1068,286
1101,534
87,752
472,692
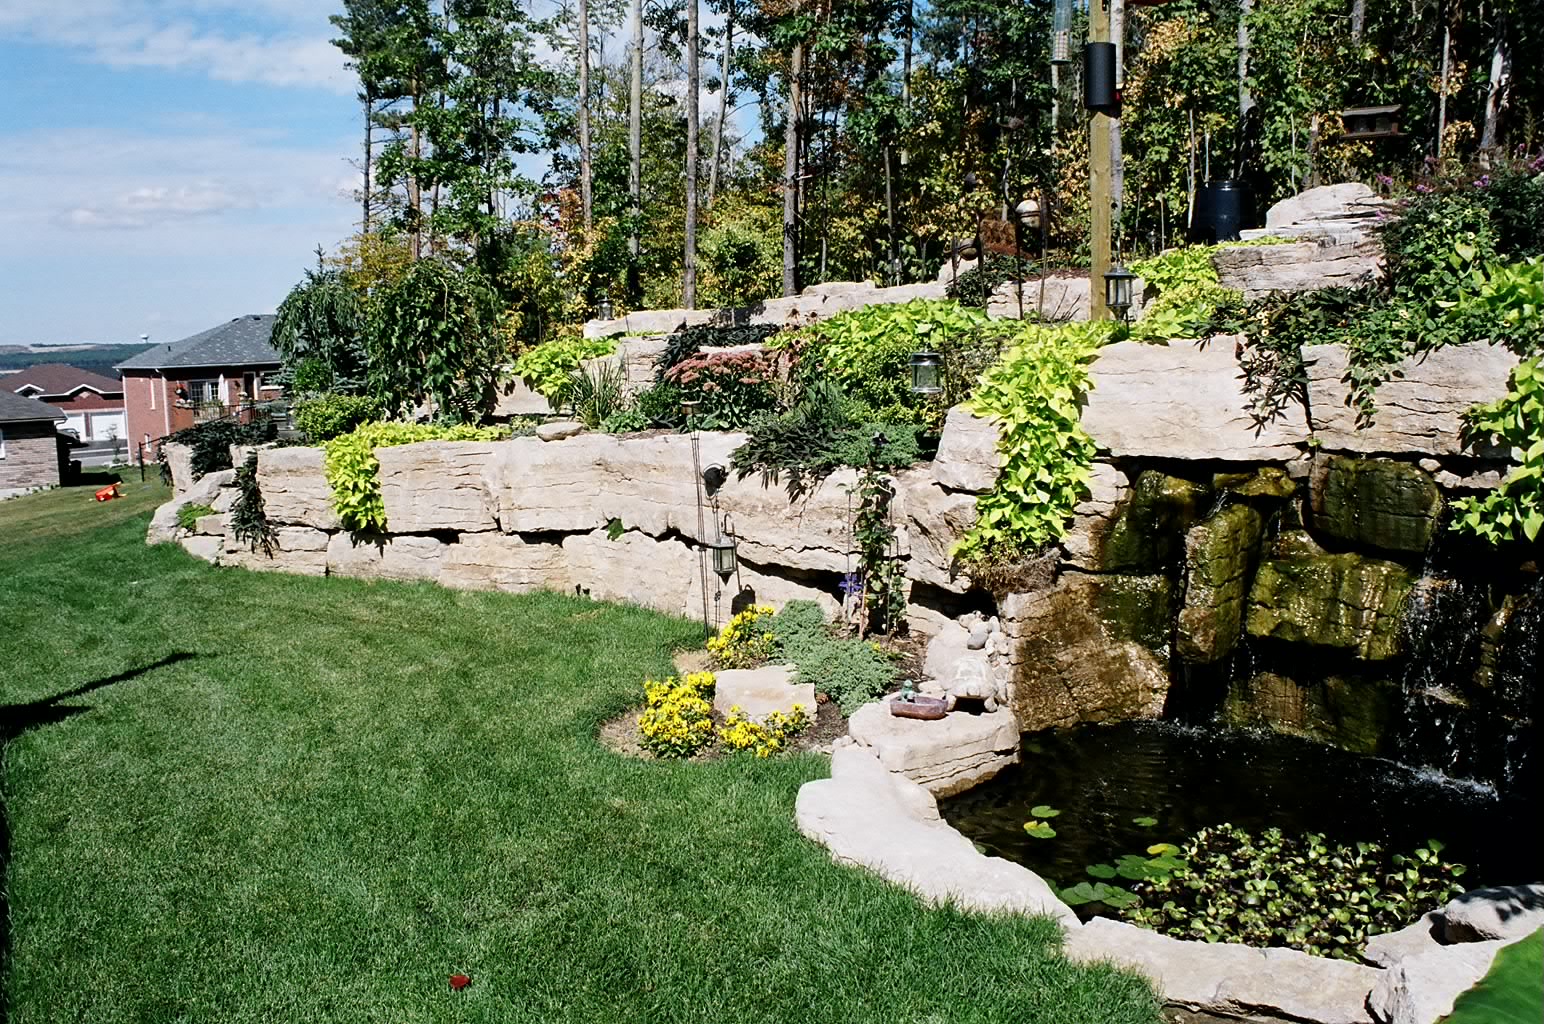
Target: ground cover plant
342,793
352,468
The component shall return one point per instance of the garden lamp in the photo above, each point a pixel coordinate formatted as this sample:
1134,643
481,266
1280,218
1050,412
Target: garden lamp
1117,290
1028,213
925,366
603,310
722,550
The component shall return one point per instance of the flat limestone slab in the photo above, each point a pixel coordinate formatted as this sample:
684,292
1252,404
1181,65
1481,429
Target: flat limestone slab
1230,978
758,692
870,817
948,755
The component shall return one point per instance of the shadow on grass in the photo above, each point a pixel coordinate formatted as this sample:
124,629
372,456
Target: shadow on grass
17,719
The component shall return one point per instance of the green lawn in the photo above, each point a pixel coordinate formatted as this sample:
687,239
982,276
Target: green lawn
241,796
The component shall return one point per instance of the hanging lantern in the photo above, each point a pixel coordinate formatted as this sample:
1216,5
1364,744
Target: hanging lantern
1117,290
722,550
1061,32
603,310
925,367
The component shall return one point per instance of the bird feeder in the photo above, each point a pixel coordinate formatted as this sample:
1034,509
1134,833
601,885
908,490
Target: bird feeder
925,369
1061,32
1363,123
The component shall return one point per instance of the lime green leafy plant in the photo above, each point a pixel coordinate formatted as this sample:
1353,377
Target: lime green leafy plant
1033,396
1515,510
1512,991
353,470
547,369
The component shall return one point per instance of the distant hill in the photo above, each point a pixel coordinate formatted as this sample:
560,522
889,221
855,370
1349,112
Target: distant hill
96,358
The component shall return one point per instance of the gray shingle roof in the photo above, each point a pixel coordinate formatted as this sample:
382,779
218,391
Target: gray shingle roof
15,408
244,341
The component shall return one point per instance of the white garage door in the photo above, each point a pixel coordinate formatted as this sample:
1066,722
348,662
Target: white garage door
107,425
76,421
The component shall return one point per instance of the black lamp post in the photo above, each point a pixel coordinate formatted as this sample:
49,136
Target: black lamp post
1117,290
925,367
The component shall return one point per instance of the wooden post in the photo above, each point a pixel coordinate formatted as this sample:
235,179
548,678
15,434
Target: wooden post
1099,177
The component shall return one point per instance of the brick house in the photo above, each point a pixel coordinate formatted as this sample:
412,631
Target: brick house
33,455
213,373
92,404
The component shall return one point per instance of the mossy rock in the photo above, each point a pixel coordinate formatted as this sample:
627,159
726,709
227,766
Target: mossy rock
1343,602
1137,608
1219,554
1265,482
1149,529
1345,711
1376,503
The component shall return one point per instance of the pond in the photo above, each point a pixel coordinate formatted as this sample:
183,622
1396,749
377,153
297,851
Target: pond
1103,778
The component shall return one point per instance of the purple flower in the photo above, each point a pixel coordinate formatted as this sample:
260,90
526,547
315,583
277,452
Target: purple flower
1423,189
1385,180
1482,181
851,584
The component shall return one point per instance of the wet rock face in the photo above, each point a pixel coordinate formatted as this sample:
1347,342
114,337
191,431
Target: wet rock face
1346,711
1345,602
1149,529
1375,503
1219,554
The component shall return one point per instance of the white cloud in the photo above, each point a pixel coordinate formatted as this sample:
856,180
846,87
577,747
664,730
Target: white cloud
149,205
283,42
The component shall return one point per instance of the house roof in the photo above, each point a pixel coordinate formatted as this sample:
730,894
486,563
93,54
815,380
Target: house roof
55,379
244,341
15,408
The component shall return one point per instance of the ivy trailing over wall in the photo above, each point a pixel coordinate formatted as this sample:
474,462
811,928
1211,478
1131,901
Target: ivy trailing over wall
353,471
1033,396
548,368
248,519
1515,510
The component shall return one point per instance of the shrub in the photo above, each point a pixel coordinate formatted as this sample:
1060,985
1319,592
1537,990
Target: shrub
732,388
1228,885
353,470
765,738
1033,395
326,416
548,368
211,441
678,718
660,405
625,421
976,285
189,515
681,345
1419,244
745,641
1515,510
596,393
248,519
850,672
823,431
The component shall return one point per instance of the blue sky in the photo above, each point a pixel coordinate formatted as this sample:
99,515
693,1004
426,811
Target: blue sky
169,164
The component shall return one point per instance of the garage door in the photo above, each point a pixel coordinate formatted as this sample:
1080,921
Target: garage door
107,425
75,421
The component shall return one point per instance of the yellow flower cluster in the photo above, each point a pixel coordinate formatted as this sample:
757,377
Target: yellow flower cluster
678,721
766,738
744,642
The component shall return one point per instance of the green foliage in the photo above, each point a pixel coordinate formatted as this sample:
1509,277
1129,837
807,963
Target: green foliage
189,515
1503,305
353,470
319,331
248,519
660,405
625,421
822,432
881,583
1033,396
1512,991
437,335
596,393
740,263
867,352
850,672
976,285
732,389
1228,885
681,345
211,441
1515,510
745,641
1188,295
548,368
1039,830
327,415
1436,240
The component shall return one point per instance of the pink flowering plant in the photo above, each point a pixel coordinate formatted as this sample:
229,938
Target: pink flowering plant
731,388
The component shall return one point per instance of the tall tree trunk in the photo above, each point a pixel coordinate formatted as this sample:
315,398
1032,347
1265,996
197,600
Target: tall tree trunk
1499,93
906,70
1358,19
364,218
791,172
1447,36
584,116
415,195
723,103
689,270
1246,99
635,133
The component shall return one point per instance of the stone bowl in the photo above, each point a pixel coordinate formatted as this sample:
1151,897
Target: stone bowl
925,708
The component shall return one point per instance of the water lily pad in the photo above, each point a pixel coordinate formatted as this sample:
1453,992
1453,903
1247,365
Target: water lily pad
1044,811
1158,848
1144,821
1078,895
1040,830
1101,871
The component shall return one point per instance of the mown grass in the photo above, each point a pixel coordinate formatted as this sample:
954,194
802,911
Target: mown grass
274,798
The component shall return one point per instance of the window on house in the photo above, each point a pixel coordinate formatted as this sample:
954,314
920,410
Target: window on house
204,392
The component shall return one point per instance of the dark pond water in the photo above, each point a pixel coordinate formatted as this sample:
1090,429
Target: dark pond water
1103,777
